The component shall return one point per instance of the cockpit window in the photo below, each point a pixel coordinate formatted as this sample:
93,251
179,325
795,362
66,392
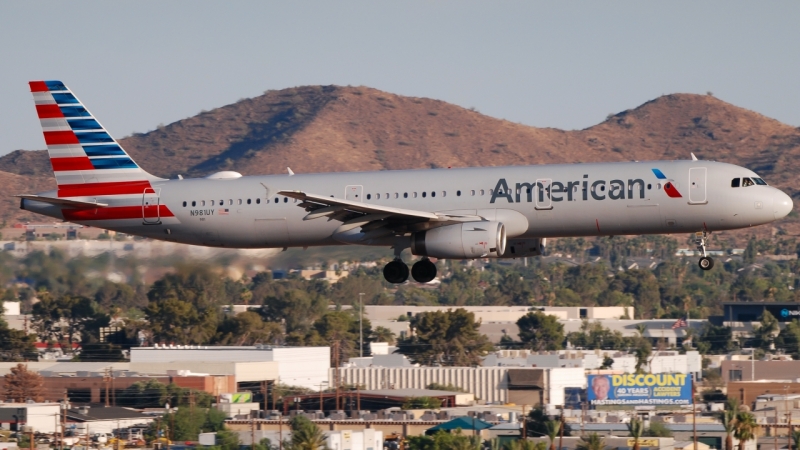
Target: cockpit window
735,182
760,182
747,182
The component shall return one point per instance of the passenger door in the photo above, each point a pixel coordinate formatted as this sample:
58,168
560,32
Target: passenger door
151,208
541,194
697,186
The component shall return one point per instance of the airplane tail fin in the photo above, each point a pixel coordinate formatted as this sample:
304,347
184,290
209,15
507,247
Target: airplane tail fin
86,160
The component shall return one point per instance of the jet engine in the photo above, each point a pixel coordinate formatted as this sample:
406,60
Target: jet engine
485,239
523,248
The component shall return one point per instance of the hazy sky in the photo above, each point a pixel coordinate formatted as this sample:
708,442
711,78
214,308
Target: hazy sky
136,64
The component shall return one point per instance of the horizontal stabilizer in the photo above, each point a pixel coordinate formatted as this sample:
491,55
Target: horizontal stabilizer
63,202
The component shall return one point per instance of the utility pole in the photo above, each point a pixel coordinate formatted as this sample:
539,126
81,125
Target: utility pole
336,371
524,424
561,437
253,433
106,380
694,415
361,323
280,431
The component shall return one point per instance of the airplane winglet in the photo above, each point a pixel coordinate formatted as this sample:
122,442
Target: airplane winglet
694,158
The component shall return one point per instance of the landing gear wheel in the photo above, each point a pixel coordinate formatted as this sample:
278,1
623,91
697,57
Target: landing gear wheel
423,271
396,272
706,263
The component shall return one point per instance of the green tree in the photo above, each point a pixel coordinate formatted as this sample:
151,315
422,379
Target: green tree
657,429
16,345
382,334
184,306
538,423
306,435
789,339
636,430
553,427
540,331
764,333
746,427
728,419
445,338
608,362
341,327
716,340
247,328
592,441
76,312
422,403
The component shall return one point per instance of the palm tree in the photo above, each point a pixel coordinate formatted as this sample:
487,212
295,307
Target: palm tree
728,418
796,439
746,427
592,441
635,428
553,428
306,435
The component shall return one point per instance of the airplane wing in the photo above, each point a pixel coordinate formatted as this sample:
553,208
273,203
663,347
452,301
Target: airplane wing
77,204
370,216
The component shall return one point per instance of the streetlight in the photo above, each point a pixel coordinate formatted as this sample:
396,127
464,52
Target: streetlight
361,323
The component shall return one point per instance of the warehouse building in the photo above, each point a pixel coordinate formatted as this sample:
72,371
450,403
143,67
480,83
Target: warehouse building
297,366
529,386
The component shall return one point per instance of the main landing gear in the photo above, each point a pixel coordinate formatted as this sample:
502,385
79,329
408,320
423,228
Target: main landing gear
397,271
701,239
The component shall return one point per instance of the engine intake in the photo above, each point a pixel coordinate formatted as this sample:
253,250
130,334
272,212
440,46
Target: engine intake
486,239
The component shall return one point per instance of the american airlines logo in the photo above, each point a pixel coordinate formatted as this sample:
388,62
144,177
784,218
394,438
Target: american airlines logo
558,191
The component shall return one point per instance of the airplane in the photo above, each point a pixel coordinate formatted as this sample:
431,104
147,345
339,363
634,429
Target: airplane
462,213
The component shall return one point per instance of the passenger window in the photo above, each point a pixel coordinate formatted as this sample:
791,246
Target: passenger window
405,194
473,192
387,196
396,195
202,203
747,182
424,194
378,196
184,204
458,193
415,195
369,196
483,192
194,203
760,182
735,182
649,186
658,186
444,193
278,200
258,201
230,201
433,193
212,202
221,202
285,199
239,201
491,191
248,201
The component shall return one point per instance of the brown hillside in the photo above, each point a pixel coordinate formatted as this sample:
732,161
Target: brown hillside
322,129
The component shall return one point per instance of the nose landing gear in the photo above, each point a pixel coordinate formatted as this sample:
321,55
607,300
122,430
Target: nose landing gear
701,239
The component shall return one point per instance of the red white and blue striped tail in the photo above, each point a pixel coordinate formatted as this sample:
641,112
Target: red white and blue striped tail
86,160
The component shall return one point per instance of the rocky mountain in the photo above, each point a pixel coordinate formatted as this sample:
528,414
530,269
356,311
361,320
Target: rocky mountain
333,128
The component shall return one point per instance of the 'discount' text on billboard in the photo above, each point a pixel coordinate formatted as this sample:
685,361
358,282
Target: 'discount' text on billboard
640,389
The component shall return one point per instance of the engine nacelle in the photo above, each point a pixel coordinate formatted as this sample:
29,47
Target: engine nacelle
486,239
523,248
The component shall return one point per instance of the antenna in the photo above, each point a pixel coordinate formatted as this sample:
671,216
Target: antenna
694,158
290,171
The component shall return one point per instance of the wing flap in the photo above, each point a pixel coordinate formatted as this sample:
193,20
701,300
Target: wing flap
77,204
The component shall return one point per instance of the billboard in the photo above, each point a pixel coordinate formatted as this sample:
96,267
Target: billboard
640,389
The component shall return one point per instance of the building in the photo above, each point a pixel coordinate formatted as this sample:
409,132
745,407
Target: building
503,313
748,392
530,386
660,362
752,311
41,417
297,366
86,420
90,382
753,370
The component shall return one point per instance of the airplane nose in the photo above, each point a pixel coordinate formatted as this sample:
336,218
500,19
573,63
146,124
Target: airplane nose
782,205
